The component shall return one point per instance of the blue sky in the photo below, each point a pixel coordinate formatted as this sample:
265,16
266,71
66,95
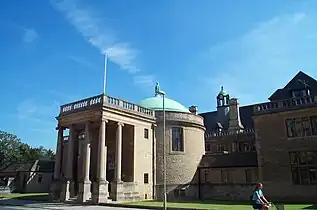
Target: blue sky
51,53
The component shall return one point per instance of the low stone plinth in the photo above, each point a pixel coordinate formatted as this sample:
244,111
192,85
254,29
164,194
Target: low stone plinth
84,191
100,192
124,191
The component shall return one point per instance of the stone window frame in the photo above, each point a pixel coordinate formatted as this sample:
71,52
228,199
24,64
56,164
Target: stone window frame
308,130
146,133
171,151
221,147
206,175
250,170
208,147
299,167
146,178
222,177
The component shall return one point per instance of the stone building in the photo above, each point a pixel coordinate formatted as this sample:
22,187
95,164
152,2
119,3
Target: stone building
28,177
273,142
111,149
114,149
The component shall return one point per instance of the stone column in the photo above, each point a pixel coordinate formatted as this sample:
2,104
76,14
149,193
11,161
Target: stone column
100,191
84,186
118,153
56,185
153,162
117,185
68,185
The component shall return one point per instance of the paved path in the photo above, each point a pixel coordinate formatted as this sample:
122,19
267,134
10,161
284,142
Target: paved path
31,205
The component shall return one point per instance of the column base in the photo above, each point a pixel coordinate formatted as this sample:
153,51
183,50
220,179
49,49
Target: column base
65,194
100,192
55,191
117,191
84,191
67,191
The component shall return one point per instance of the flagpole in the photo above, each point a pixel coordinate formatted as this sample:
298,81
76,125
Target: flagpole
105,74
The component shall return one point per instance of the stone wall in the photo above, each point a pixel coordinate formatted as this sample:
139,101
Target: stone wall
273,147
238,192
39,182
181,165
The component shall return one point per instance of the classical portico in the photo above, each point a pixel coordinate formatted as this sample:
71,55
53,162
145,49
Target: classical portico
97,160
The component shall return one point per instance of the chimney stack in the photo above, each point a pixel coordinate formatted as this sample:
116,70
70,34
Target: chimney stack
193,109
234,116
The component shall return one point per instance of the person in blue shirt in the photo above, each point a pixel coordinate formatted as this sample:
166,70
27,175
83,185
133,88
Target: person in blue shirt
258,199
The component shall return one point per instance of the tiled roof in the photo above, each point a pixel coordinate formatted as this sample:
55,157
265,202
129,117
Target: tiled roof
41,166
295,84
243,159
211,119
246,112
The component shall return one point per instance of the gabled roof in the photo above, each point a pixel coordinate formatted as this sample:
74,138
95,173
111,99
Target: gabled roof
38,165
299,81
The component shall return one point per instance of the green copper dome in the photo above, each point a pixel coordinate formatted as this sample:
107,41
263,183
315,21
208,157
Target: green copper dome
222,92
156,103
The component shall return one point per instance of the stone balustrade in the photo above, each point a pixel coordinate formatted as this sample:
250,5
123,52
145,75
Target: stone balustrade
104,100
285,104
229,133
109,100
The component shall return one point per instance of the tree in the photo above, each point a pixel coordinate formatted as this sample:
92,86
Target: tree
10,146
12,150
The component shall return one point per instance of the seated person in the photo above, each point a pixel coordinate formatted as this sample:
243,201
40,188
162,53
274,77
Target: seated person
258,199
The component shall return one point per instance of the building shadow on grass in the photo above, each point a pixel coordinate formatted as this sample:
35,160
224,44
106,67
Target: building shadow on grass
314,206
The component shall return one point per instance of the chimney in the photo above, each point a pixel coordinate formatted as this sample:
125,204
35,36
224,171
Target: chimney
234,116
193,109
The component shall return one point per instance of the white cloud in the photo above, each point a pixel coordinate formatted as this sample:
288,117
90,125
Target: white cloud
82,61
265,58
38,113
98,34
144,80
29,35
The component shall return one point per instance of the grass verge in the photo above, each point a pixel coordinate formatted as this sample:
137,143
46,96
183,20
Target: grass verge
216,205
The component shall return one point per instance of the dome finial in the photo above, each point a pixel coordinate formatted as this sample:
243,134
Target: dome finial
221,88
157,89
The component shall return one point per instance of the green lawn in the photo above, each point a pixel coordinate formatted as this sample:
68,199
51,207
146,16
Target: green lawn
216,205
27,196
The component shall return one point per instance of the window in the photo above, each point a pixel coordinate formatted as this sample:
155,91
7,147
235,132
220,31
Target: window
314,125
300,127
146,178
208,148
248,175
206,176
300,93
224,176
246,147
234,146
39,180
304,167
221,148
146,133
177,139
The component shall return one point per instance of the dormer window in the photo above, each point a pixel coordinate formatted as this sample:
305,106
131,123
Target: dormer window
300,93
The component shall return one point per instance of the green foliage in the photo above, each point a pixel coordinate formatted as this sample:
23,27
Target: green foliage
12,150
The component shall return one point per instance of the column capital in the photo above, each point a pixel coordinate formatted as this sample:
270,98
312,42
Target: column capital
103,119
120,124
